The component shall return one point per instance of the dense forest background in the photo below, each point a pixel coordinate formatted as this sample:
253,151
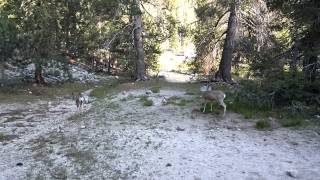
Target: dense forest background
270,49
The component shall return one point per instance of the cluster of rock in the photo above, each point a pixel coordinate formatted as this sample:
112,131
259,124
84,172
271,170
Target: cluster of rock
52,73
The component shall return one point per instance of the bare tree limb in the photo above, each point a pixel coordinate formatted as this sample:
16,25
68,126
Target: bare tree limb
107,44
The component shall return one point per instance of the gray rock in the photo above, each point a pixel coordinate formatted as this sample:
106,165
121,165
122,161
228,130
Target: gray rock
291,174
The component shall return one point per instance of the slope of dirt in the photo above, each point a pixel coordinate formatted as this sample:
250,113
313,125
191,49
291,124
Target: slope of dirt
119,138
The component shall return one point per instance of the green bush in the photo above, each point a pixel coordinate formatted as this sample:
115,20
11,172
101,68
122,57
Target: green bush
288,122
286,96
155,89
145,101
262,124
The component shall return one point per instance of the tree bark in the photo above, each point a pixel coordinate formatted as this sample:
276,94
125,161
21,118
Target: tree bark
224,72
295,59
38,75
310,68
138,43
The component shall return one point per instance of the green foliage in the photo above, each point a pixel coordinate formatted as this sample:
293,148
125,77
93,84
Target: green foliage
262,124
5,137
208,34
291,122
178,101
104,89
145,101
80,30
8,40
288,99
155,89
251,96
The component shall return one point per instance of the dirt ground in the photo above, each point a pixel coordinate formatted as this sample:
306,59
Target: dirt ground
116,137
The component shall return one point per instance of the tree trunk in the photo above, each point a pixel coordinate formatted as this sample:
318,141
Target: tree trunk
224,72
295,58
138,43
310,68
38,75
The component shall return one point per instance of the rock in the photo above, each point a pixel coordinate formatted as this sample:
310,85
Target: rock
83,127
30,68
19,164
168,165
179,129
11,74
59,130
294,143
164,101
291,174
148,92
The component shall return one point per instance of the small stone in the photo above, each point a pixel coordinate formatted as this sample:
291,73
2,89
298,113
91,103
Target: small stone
164,101
168,165
59,129
19,164
83,127
179,129
291,174
294,143
149,92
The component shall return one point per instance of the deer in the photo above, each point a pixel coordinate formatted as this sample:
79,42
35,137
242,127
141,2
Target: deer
210,95
80,100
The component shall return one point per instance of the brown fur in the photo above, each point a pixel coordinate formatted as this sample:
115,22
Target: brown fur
79,101
215,96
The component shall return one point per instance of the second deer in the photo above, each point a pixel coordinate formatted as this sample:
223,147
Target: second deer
209,95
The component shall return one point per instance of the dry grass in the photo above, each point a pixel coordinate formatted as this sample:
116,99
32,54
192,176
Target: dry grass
6,137
28,92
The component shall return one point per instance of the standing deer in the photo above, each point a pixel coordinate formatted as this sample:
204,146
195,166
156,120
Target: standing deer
210,95
80,100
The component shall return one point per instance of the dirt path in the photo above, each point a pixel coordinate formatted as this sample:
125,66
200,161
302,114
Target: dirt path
119,138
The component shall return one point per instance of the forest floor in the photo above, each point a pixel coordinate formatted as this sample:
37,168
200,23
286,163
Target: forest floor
117,137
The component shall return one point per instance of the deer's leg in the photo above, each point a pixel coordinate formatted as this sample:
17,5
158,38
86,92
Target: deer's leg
204,108
211,106
224,106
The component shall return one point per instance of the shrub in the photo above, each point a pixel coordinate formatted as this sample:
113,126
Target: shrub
145,101
262,124
155,89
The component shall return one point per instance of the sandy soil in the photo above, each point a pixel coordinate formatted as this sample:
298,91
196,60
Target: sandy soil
118,138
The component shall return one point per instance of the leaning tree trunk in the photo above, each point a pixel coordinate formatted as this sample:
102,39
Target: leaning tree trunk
224,72
138,43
